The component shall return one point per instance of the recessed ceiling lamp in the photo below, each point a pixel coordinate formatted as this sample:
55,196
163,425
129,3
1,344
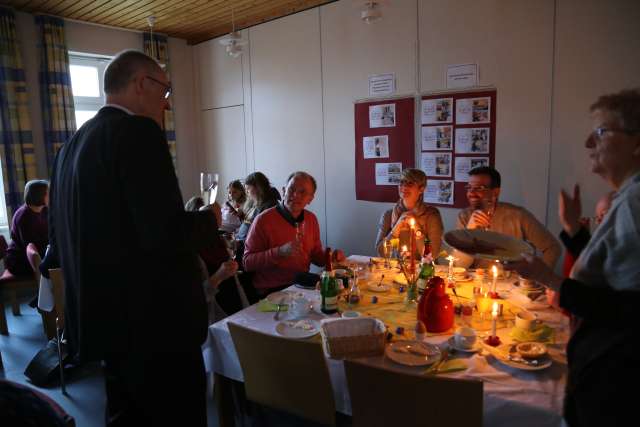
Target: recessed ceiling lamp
151,20
233,41
371,12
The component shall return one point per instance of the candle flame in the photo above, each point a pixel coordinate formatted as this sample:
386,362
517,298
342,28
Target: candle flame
412,222
494,269
404,248
494,310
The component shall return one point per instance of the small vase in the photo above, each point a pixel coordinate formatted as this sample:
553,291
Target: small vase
412,294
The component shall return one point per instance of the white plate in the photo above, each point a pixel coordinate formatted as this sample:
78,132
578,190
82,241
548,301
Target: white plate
501,355
487,244
476,346
375,288
287,329
466,278
281,297
412,359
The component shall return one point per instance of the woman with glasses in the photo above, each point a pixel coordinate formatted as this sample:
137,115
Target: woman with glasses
603,289
394,223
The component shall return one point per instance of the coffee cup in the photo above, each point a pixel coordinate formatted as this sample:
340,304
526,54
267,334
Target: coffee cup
526,283
527,321
465,337
299,307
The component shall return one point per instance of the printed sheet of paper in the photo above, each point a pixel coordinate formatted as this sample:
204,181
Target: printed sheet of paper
382,84
382,116
463,75
388,173
437,138
375,147
473,110
472,140
465,164
436,164
439,191
435,111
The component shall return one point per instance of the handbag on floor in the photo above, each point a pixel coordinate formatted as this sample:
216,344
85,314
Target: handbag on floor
44,369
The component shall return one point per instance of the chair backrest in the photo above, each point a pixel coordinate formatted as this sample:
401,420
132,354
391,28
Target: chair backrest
57,281
3,246
411,400
34,259
289,375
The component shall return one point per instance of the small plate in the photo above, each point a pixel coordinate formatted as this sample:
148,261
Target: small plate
466,278
375,288
507,355
407,357
298,329
476,346
283,297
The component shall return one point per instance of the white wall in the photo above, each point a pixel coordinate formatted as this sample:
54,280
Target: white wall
108,41
548,60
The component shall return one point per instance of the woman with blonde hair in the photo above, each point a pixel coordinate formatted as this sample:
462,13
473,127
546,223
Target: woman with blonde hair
394,223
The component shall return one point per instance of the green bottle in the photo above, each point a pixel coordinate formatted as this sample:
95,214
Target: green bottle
329,286
427,269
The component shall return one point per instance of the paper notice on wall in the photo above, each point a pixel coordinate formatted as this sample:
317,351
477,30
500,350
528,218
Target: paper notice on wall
436,164
437,138
472,140
382,84
465,75
375,147
473,110
465,164
388,173
439,191
382,116
434,111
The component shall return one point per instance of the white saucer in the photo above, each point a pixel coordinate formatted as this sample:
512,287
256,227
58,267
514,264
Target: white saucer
476,346
286,329
411,359
375,288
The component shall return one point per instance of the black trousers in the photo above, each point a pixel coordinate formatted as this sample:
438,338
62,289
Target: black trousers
156,389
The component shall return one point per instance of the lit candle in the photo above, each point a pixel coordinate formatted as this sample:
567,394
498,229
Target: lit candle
412,243
451,259
494,269
494,318
404,250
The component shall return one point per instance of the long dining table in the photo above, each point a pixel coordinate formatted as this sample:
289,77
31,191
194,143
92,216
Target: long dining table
512,396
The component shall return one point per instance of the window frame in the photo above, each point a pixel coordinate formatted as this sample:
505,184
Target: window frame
90,103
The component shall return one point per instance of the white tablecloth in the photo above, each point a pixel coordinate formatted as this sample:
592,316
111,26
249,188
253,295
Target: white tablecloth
511,396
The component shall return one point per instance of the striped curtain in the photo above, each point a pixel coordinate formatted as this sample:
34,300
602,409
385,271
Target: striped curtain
58,112
158,48
16,142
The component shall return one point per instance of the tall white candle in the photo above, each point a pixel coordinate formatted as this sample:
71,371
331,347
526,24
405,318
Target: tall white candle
494,318
494,270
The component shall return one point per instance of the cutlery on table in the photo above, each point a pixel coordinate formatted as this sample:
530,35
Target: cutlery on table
279,308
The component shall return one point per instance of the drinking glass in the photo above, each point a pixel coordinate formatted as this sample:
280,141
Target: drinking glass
488,207
232,246
208,187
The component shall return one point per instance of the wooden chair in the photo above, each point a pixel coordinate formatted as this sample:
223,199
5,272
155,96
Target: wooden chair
48,318
288,375
411,400
11,284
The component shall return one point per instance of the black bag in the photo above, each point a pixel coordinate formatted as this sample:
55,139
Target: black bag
44,369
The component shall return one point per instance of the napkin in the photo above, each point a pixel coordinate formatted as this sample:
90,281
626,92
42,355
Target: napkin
543,334
266,305
450,365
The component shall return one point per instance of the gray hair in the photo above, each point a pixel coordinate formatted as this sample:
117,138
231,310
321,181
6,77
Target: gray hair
123,68
305,175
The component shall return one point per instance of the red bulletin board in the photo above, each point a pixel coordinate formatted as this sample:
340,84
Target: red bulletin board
401,147
480,119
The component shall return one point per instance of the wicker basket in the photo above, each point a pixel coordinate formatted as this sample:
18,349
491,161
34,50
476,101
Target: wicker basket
360,337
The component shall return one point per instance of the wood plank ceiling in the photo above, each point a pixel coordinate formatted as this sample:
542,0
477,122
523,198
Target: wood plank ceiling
193,20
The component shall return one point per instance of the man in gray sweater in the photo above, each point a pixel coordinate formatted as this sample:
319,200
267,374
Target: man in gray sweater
485,212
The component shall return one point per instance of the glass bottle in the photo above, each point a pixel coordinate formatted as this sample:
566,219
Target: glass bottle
427,269
329,287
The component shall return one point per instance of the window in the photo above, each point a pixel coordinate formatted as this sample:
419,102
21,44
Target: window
4,222
87,72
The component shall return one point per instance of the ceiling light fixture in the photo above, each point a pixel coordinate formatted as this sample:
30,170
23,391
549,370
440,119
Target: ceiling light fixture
233,41
151,20
371,12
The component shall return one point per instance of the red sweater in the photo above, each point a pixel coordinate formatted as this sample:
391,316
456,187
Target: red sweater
268,232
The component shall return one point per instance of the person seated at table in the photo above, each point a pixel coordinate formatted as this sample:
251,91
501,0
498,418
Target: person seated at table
604,286
29,225
394,223
259,198
232,214
284,240
486,212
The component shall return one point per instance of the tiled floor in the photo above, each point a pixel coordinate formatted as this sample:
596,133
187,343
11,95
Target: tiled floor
86,398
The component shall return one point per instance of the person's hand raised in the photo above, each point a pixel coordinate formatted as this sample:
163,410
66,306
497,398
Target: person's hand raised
478,219
289,249
226,270
533,268
404,219
570,210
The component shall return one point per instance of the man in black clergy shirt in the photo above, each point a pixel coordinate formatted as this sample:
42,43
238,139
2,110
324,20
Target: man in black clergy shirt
133,283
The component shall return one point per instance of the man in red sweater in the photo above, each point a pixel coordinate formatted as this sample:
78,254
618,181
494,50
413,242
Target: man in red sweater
285,240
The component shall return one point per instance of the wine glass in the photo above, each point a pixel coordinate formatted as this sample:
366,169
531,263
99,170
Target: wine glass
208,187
232,246
488,207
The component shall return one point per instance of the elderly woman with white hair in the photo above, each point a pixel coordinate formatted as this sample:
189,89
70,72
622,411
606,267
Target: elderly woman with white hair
603,289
